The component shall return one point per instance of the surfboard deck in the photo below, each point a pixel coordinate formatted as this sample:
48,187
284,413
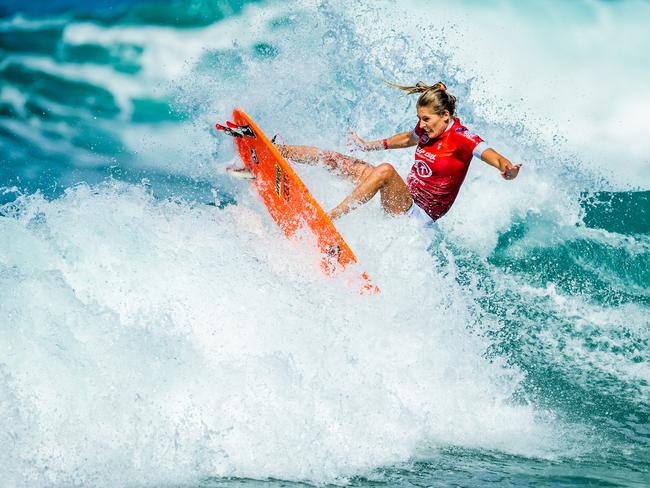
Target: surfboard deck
287,198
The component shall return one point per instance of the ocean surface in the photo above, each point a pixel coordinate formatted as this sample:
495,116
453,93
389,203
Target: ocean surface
157,330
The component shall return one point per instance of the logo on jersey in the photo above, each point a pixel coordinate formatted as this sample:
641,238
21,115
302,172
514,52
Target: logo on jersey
426,155
471,136
424,138
422,169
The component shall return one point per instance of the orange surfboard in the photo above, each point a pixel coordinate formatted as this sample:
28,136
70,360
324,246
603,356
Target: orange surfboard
287,198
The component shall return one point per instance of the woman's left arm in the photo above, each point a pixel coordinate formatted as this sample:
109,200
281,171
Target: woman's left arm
508,170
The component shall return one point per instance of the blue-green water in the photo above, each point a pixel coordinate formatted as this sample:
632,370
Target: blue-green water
154,332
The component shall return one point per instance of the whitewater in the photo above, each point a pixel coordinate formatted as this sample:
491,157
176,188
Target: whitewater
158,329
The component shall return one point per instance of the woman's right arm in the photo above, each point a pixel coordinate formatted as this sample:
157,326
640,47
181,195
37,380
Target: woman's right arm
398,141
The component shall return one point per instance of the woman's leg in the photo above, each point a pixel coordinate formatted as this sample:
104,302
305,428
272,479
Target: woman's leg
351,168
395,196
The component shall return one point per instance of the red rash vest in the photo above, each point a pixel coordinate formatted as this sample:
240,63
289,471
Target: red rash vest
440,167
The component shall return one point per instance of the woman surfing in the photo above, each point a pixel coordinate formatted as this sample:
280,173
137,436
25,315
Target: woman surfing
444,150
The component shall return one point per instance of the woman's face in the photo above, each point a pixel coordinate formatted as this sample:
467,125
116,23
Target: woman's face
433,124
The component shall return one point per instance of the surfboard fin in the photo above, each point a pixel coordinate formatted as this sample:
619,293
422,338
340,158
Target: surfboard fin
229,131
244,130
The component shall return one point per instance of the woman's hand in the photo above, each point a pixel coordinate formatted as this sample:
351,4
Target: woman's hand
511,172
355,142
397,141
508,170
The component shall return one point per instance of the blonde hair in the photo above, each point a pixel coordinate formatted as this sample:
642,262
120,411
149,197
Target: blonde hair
434,97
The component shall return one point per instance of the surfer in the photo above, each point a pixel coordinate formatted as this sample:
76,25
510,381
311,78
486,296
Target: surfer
444,150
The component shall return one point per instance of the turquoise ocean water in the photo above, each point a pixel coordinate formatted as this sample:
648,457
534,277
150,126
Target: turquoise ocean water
154,331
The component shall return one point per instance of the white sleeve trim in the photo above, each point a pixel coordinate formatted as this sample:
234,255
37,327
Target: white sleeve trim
478,150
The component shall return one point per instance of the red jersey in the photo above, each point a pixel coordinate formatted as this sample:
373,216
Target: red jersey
440,167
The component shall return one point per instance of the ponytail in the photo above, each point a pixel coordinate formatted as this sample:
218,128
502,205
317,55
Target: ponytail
434,97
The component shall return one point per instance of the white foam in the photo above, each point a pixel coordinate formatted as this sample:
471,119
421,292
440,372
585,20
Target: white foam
153,342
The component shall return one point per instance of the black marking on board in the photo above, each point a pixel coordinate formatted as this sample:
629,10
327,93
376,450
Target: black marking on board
247,131
278,179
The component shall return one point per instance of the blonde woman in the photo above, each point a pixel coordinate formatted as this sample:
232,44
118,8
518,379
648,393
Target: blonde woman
444,150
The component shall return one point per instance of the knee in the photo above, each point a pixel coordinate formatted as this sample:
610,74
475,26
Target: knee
385,171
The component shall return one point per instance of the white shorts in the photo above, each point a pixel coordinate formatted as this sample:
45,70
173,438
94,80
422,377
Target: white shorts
419,215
